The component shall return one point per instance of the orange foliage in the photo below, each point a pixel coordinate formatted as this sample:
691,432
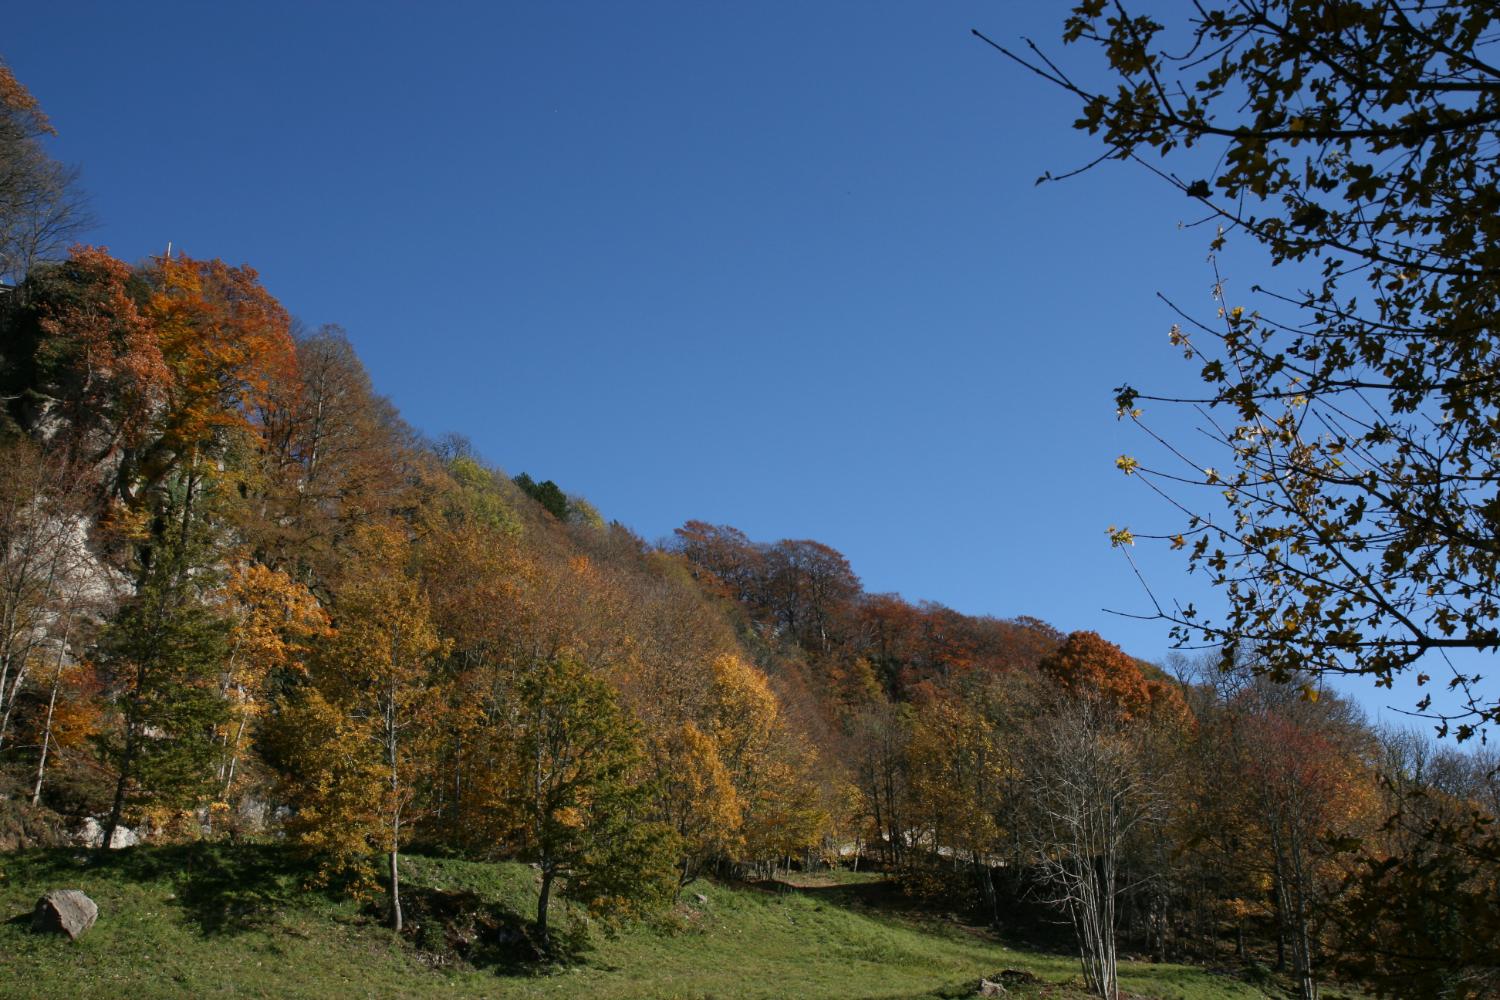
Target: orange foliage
106,352
20,107
77,715
226,340
1088,664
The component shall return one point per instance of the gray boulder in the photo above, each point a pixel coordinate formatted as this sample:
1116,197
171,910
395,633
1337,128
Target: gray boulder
64,911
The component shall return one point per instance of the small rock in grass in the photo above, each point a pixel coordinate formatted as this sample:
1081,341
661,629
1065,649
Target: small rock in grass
64,911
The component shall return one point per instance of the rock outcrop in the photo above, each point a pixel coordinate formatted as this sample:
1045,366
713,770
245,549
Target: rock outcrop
91,834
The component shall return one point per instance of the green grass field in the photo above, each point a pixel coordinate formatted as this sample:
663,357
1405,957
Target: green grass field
219,921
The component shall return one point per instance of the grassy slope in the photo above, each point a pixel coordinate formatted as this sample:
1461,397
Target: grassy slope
206,922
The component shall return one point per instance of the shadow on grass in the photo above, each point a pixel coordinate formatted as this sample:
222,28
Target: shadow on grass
221,888
461,925
1024,923
883,895
229,888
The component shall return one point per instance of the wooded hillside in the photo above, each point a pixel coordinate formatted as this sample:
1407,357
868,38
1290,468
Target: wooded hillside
240,597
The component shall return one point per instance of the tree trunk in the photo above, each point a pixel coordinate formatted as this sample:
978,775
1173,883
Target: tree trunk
543,899
987,886
127,762
10,700
391,736
1279,894
117,809
234,758
395,889
17,658
57,669
1301,938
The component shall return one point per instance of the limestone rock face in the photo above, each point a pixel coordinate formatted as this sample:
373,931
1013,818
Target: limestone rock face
64,911
91,834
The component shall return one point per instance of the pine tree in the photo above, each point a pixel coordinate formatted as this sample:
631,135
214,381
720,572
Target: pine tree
162,653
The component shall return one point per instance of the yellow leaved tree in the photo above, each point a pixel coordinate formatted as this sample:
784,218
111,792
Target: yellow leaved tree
276,620
373,710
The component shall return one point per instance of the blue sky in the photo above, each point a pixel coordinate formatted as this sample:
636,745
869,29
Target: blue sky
777,265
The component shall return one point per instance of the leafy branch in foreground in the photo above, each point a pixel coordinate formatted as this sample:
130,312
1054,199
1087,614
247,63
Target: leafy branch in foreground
1353,422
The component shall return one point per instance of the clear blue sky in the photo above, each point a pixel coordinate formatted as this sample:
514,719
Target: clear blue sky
777,265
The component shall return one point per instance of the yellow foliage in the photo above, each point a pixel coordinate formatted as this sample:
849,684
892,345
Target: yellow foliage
335,784
772,768
958,768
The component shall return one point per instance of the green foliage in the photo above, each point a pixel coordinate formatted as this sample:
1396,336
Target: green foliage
580,511
547,493
578,797
163,651
479,499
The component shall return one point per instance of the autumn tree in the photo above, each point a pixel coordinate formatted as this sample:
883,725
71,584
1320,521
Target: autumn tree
335,456
665,678
576,794
770,764
798,590
481,501
143,372
723,558
375,681
1416,917
333,780
881,769
1088,665
275,622
1355,416
224,339
1281,778
697,798
480,580
41,207
808,587
86,372
1096,775
48,582
71,713
961,770
1298,786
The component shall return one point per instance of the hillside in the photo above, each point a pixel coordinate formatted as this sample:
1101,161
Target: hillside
233,922
243,602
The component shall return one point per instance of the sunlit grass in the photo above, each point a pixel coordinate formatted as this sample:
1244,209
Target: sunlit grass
219,921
